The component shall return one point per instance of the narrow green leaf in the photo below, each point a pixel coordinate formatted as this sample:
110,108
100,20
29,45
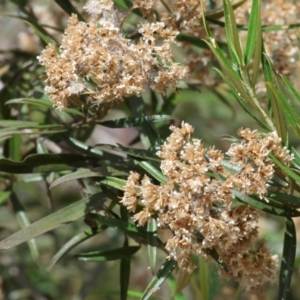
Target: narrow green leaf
256,59
81,173
44,37
215,256
4,195
296,160
17,124
272,207
108,255
40,163
8,133
82,147
232,75
291,88
54,220
15,148
183,279
288,259
277,113
165,270
241,100
104,293
134,152
134,122
39,102
152,243
288,108
285,169
285,199
24,222
114,182
254,31
76,240
67,6
150,169
124,272
233,39
124,3
204,277
175,285
192,40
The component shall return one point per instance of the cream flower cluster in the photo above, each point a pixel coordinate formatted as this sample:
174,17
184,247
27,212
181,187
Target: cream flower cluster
196,202
96,60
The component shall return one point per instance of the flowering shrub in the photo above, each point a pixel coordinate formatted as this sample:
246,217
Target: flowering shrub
169,191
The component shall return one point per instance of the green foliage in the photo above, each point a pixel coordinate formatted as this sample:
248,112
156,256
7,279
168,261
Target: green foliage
81,178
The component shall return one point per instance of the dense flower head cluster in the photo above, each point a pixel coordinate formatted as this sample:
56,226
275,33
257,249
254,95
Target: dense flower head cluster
95,59
197,201
281,45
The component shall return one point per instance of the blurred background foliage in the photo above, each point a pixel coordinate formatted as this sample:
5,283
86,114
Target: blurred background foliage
26,197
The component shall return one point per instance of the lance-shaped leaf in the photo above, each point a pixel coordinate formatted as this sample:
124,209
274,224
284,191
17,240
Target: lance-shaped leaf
125,271
164,271
291,88
254,31
87,173
152,243
241,100
72,243
134,122
55,220
39,32
277,113
114,182
272,206
287,106
139,153
233,39
24,222
193,40
108,255
150,169
285,169
288,259
43,102
39,163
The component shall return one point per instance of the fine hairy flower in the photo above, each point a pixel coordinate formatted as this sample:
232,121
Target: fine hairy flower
197,201
95,59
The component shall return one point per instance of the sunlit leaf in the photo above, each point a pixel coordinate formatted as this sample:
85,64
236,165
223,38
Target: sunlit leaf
285,169
154,172
39,102
277,113
233,39
24,222
164,271
54,220
254,31
152,243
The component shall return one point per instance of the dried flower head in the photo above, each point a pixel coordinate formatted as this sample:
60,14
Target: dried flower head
196,201
96,60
